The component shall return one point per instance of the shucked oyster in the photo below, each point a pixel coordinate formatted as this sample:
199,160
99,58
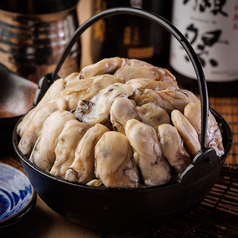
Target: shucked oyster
143,83
34,125
169,99
148,156
109,66
153,115
150,72
68,140
100,82
213,137
119,122
144,96
104,66
97,110
43,154
75,91
114,164
173,148
82,168
122,110
187,132
53,90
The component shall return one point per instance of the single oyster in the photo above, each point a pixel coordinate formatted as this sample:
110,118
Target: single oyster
114,165
53,90
32,131
68,140
122,110
213,137
143,83
97,109
100,82
148,156
173,148
75,92
82,168
153,115
127,73
104,66
43,153
187,132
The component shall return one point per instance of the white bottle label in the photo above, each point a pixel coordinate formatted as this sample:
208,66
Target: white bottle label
211,27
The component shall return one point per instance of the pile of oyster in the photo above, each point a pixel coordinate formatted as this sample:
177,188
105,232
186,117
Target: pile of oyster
117,123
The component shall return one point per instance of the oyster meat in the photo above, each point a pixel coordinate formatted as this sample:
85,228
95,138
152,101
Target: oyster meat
143,83
100,82
153,115
148,156
150,72
53,90
34,126
114,165
117,123
75,91
122,110
213,137
173,148
97,109
43,153
82,168
104,66
187,132
68,140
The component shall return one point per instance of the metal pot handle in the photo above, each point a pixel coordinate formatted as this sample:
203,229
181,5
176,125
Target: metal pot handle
168,26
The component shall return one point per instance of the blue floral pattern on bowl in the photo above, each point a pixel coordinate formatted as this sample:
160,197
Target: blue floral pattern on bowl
16,193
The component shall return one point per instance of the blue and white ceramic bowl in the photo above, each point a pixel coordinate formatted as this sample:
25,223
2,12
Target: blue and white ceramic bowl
17,196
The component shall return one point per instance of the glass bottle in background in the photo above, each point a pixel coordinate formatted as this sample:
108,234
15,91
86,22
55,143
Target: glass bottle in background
211,27
131,36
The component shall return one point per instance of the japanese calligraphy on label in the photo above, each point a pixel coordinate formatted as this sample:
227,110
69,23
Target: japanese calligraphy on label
211,27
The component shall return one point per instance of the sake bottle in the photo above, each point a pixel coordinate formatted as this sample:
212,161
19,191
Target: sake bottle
211,27
131,36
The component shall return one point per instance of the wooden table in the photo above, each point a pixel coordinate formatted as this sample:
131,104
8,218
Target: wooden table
217,216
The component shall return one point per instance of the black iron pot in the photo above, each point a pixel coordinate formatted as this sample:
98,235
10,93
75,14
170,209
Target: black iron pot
131,209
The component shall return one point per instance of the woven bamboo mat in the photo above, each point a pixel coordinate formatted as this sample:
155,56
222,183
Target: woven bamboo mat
216,216
228,108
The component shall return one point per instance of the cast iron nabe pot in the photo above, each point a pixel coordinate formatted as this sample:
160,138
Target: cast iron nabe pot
128,209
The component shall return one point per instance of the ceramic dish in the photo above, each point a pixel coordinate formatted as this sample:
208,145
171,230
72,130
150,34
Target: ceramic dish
17,196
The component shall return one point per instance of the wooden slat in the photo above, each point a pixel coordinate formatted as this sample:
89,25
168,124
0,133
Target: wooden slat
228,108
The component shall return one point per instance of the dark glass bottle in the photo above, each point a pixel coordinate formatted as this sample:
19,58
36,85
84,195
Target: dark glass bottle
212,29
131,36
